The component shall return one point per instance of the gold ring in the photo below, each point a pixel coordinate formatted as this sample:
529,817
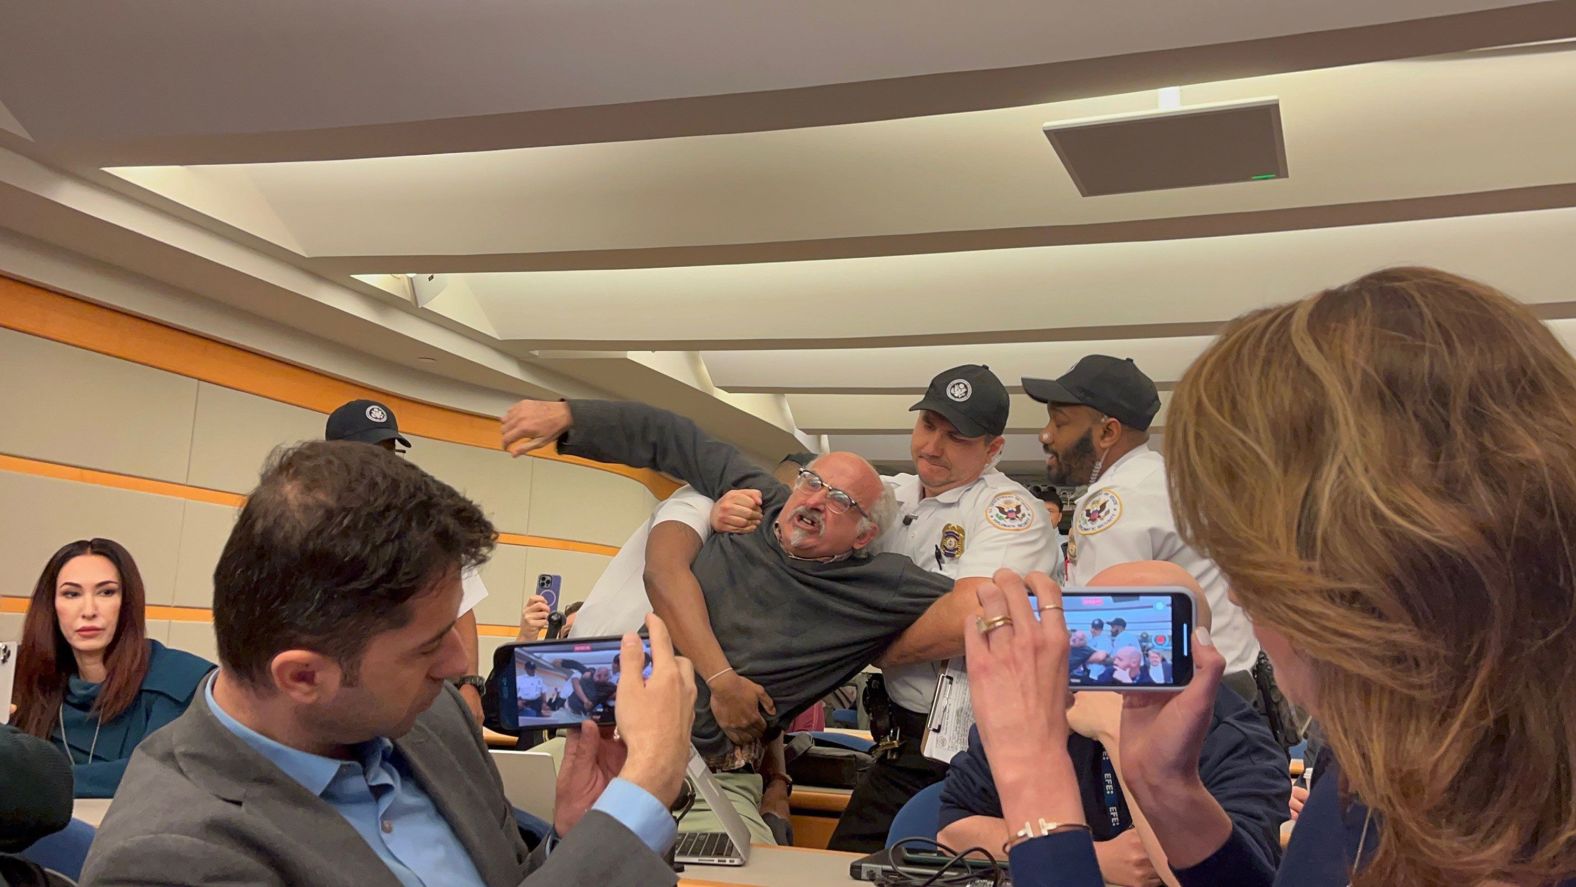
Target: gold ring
986,626
1050,607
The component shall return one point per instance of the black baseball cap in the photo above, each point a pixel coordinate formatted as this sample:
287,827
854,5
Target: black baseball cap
363,421
1097,623
1113,385
970,397
1119,621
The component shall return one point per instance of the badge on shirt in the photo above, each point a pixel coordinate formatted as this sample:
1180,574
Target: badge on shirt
1100,512
1072,548
1008,511
952,541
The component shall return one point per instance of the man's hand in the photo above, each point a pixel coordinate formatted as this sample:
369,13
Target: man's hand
591,759
655,714
533,618
736,703
1096,715
738,511
1123,860
1299,796
533,424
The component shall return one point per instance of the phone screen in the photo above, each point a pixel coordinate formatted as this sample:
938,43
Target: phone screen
560,683
1121,639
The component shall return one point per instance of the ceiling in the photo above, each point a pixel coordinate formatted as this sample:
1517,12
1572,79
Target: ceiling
781,221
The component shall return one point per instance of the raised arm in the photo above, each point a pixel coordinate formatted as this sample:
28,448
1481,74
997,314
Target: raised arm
676,596
637,435
936,634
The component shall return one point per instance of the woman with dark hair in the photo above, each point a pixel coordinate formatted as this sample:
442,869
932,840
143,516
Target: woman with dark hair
88,678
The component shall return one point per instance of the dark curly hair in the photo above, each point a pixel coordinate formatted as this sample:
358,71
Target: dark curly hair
331,547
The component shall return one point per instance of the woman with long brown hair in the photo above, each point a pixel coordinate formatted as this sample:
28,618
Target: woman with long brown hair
88,678
1386,473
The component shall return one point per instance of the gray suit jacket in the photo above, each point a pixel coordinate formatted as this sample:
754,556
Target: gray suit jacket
199,806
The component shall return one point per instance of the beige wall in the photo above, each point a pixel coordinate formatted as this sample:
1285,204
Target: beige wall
71,406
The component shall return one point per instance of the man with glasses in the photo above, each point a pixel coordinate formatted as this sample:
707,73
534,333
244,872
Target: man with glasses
793,609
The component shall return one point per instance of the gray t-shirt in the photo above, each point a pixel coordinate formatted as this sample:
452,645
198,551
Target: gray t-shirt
798,628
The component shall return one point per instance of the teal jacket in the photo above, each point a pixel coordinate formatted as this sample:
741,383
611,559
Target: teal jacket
172,680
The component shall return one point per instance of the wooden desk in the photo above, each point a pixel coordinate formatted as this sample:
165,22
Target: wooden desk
494,739
90,810
815,811
774,866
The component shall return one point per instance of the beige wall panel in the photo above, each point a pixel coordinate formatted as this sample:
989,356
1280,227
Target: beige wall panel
195,638
586,504
580,570
159,630
493,479
11,627
236,431
64,404
505,578
59,511
204,530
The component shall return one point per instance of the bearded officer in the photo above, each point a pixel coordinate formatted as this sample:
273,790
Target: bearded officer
961,518
1098,434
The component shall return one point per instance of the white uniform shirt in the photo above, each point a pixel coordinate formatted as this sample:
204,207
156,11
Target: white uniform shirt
1101,641
1126,516
968,531
617,602
529,687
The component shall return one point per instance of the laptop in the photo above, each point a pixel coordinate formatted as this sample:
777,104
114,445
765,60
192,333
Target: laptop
530,780
8,652
728,847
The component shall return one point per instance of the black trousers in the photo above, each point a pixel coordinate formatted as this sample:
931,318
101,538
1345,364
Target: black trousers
886,787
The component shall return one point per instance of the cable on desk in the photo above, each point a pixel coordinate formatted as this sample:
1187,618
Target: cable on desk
944,876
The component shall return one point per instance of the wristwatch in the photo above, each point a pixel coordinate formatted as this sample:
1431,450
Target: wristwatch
476,682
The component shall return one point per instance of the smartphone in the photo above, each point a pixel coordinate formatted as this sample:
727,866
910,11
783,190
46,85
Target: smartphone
559,683
548,585
1128,639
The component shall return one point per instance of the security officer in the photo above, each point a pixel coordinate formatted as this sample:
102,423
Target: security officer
367,421
1098,434
961,518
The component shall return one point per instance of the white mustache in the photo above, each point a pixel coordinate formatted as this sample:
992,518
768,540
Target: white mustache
812,515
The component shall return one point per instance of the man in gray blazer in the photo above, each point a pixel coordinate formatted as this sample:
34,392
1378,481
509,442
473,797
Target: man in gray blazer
329,750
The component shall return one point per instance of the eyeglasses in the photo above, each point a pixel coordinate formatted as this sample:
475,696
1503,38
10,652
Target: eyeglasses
840,501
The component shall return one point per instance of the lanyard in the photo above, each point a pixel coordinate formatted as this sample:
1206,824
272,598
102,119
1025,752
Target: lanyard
1111,790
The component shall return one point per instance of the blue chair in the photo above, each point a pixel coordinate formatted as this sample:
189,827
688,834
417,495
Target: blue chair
919,818
843,717
64,851
843,740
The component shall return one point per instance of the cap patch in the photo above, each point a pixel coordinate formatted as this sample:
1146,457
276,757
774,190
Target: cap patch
1008,511
377,414
960,390
1101,511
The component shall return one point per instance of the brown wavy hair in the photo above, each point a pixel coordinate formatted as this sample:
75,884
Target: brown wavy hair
45,660
1386,474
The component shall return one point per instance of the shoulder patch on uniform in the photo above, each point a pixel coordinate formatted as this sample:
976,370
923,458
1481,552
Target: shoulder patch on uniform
1009,511
1101,511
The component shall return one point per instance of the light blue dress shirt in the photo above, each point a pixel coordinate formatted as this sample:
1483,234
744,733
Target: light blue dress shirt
384,803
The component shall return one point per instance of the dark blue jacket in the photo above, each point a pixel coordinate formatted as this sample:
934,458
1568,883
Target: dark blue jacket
1241,765
1322,851
172,679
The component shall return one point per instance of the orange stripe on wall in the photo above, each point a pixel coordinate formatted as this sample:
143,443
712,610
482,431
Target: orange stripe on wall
18,605
41,468
71,321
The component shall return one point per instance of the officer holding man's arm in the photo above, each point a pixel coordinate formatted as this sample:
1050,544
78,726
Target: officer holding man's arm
962,519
